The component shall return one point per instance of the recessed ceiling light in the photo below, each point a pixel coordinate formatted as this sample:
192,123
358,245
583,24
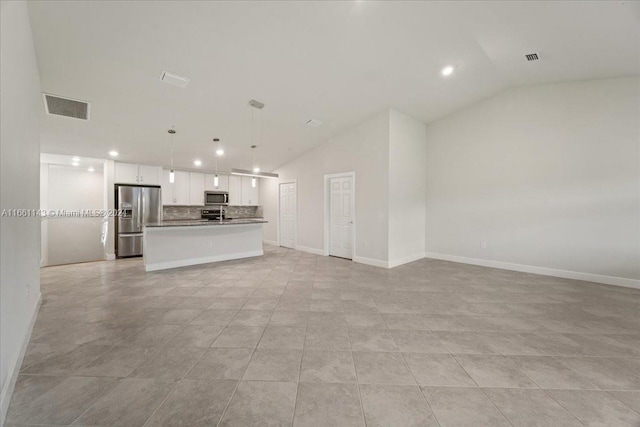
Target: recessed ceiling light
75,164
197,162
256,170
76,159
91,169
113,153
447,71
220,152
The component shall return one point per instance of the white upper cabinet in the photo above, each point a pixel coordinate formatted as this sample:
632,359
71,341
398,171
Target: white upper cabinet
126,173
149,175
223,182
249,192
235,190
196,188
178,192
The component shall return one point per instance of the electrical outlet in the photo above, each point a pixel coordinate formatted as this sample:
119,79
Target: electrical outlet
483,245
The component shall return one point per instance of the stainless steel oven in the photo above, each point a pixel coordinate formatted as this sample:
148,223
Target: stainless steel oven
214,198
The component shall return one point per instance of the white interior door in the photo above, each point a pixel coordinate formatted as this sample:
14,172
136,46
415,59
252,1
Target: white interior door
341,216
288,214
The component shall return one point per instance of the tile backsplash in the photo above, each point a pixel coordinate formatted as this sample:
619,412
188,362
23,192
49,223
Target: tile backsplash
193,212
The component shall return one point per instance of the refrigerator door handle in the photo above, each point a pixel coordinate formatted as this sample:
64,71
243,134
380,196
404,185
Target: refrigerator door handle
140,208
130,235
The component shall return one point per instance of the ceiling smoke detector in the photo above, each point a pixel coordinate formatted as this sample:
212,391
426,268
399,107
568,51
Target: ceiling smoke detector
532,57
67,107
174,79
314,123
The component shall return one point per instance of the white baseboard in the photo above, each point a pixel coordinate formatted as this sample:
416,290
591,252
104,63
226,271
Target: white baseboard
14,369
310,250
270,242
110,257
387,264
371,261
565,274
406,260
204,260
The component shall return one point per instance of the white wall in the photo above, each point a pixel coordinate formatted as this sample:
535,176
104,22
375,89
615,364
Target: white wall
44,205
363,149
548,176
407,186
74,239
21,108
109,203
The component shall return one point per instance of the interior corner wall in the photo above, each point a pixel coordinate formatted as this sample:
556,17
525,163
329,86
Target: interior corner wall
108,175
407,188
21,109
546,176
363,149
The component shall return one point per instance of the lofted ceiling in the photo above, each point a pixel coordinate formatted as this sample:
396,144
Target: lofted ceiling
338,62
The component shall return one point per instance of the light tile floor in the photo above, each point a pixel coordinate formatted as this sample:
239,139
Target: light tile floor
292,338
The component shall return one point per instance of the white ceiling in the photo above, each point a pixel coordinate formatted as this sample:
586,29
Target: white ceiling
338,62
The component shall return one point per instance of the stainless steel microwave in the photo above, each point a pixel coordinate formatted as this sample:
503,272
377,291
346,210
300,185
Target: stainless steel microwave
212,198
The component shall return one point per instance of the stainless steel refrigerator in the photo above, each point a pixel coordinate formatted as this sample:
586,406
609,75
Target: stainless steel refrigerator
139,205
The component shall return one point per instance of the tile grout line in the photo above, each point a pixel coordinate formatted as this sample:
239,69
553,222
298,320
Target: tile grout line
481,390
224,411
609,393
547,394
416,381
353,359
177,382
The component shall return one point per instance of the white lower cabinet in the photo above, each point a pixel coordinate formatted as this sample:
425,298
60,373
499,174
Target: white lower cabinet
176,193
196,188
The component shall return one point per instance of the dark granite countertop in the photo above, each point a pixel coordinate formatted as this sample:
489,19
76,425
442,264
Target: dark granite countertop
206,223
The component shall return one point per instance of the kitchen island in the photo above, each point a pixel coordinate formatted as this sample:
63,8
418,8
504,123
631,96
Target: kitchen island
171,244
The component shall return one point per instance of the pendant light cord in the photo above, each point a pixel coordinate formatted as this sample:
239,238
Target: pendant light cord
172,133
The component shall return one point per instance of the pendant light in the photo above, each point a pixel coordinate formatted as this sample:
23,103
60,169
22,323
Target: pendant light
219,152
172,174
255,170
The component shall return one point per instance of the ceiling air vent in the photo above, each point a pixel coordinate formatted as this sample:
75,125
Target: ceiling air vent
313,123
66,107
174,79
532,57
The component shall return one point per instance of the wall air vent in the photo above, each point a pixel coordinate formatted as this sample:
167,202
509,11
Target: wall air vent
532,56
74,108
313,123
174,79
